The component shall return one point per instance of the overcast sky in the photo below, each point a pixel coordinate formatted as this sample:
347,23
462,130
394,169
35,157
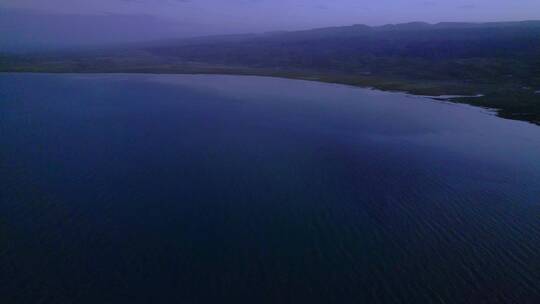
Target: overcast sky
59,22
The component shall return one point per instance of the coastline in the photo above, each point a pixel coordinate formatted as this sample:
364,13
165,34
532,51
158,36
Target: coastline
486,96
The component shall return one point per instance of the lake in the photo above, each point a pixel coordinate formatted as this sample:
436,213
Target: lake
237,189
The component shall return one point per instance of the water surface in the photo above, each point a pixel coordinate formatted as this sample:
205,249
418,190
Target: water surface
231,189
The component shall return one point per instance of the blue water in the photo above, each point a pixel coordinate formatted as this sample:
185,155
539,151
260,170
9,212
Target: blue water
234,189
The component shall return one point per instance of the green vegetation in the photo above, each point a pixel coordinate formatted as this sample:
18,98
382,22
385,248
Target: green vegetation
501,61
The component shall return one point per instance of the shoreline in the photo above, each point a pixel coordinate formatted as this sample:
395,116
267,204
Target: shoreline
439,90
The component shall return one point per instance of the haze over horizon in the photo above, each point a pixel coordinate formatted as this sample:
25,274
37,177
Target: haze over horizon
61,23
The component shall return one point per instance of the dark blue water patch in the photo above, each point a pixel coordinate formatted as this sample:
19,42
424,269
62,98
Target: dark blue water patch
199,189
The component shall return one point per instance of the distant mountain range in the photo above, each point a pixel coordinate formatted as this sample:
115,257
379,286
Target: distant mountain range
500,60
363,30
467,51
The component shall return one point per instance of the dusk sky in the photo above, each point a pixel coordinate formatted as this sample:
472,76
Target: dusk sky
64,22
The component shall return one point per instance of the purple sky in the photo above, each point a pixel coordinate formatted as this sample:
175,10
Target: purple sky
103,21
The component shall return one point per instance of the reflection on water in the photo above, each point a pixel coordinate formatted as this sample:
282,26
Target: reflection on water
205,189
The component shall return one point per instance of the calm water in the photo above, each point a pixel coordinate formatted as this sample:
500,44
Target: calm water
225,189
